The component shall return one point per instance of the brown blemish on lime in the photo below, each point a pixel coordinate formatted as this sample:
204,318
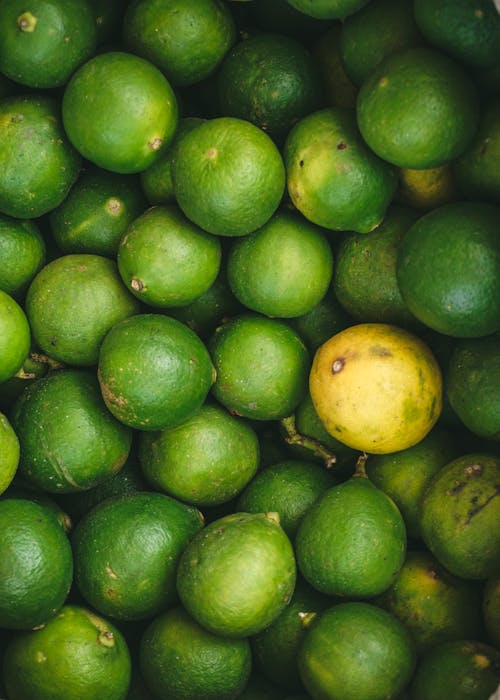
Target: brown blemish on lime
474,470
111,573
27,22
338,365
212,152
136,284
341,146
106,639
155,144
114,206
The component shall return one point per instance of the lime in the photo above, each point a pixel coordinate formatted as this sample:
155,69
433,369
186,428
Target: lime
333,179
165,260
34,367
36,564
448,269
9,456
491,609
154,372
124,127
328,9
39,164
418,109
228,176
25,492
182,661
126,551
427,188
460,518
72,303
356,651
282,269
69,441
270,80
76,655
15,336
96,212
351,541
237,574
206,461
22,254
42,42
376,387
262,366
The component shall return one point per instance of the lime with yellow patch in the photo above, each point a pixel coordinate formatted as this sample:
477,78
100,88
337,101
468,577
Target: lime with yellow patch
376,387
427,188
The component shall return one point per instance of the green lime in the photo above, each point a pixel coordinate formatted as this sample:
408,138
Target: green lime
405,475
181,660
448,269
462,670
43,41
21,489
333,178
39,164
379,29
36,564
72,303
22,254
418,109
262,367
237,574
165,260
125,127
365,271
126,551
351,541
460,518
328,9
9,456
154,372
288,488
15,336
228,176
96,212
69,441
356,651
491,609
270,80
185,39
433,605
206,461
75,655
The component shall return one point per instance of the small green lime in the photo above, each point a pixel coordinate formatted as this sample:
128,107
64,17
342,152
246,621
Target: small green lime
15,336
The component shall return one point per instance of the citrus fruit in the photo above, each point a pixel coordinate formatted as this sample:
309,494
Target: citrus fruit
36,564
377,30
166,260
448,269
262,366
433,605
288,488
182,661
25,492
463,670
72,303
283,269
333,179
376,387
427,188
469,33
364,279
22,254
472,385
9,456
15,336
404,475
491,609
44,41
69,441
328,9
126,551
124,127
94,215
77,654
460,516
318,324
39,164
418,109
351,541
154,372
207,460
356,651
270,80
228,176
34,367
237,574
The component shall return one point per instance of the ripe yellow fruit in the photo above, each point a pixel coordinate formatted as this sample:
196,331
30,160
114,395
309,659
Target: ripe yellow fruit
376,387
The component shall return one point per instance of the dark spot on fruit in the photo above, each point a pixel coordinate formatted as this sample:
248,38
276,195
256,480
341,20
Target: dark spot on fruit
478,508
433,574
456,488
301,163
474,470
341,146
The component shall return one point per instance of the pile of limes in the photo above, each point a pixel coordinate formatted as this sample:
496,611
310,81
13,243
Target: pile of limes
249,349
